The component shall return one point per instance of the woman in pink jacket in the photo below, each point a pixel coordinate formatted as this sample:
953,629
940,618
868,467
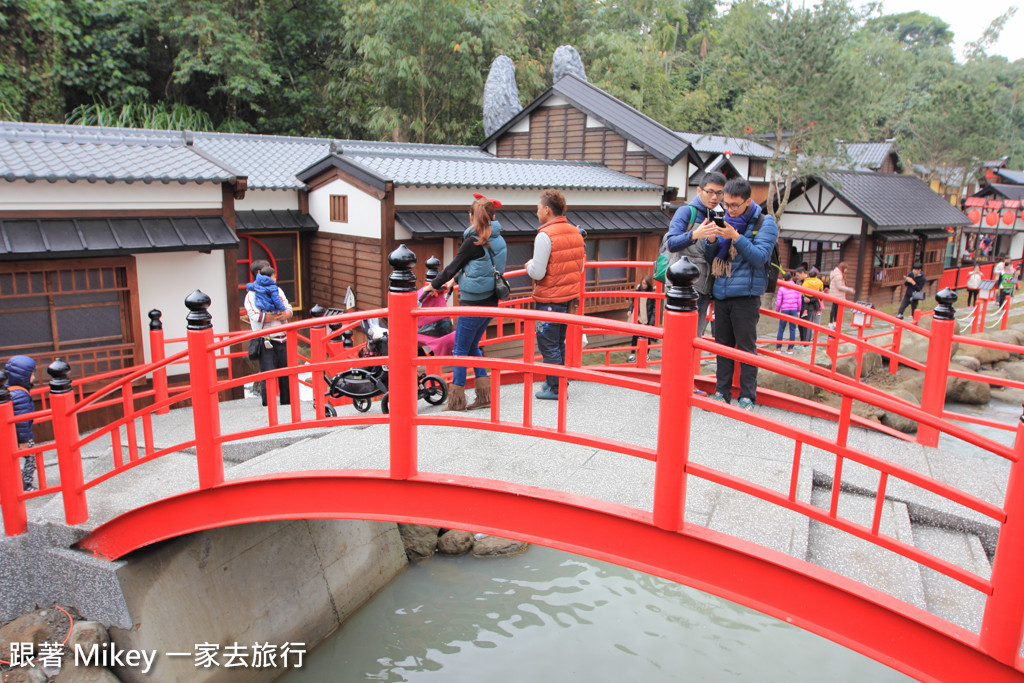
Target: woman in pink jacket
787,302
837,287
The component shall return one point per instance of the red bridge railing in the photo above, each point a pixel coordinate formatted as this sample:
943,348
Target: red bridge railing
1003,619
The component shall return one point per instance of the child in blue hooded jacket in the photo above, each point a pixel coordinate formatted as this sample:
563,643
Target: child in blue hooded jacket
20,375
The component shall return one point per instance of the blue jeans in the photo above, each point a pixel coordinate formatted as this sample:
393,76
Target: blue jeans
795,314
468,331
551,340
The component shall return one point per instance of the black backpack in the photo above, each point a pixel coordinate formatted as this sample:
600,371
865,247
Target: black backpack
773,269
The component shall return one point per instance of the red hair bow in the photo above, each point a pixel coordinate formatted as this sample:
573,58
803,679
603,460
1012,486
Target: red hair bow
497,204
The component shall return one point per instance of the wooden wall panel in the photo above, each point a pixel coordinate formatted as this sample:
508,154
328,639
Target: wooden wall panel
338,262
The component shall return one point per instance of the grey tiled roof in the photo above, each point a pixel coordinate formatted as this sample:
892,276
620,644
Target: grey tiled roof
39,238
638,128
716,144
488,171
1014,177
866,156
272,161
890,200
55,152
1008,191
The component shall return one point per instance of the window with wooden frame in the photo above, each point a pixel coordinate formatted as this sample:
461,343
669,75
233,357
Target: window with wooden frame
339,208
81,311
282,251
893,259
758,168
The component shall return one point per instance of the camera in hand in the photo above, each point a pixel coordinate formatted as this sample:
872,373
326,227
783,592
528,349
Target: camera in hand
718,216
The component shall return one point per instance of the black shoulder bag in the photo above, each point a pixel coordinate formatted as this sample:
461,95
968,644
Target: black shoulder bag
501,288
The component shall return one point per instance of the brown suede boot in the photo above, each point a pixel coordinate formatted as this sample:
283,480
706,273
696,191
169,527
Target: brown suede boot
483,394
456,398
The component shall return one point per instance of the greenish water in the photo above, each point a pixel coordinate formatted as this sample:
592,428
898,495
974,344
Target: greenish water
546,615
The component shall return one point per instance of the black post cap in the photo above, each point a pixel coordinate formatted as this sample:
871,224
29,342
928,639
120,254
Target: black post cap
680,293
433,265
402,279
946,298
317,311
198,317
59,370
346,337
154,320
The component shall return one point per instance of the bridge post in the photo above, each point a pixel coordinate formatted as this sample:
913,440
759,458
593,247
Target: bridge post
202,370
11,505
318,354
1002,623
157,353
65,436
402,363
673,449
933,396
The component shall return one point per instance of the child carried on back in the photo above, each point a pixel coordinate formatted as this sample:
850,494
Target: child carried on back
265,288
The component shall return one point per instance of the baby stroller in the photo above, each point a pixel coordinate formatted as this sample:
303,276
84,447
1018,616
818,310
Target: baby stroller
362,385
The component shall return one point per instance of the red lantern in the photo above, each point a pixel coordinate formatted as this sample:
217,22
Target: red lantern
992,218
975,216
1008,218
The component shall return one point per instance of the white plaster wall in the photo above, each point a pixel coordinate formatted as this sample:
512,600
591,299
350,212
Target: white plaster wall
809,201
463,196
1017,245
363,210
842,225
262,200
165,279
62,195
492,149
555,101
678,176
523,126
633,147
593,123
742,165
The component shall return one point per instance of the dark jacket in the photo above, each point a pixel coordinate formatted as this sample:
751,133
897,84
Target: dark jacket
680,241
472,263
747,276
19,374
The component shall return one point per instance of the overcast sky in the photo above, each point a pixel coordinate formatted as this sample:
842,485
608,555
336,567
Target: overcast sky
968,19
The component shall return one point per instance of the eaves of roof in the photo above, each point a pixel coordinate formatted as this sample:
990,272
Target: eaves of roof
890,200
353,168
640,129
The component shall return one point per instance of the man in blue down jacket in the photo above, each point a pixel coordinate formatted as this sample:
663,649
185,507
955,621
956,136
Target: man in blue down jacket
20,374
689,226
738,255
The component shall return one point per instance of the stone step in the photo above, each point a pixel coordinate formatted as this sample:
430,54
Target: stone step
947,597
861,560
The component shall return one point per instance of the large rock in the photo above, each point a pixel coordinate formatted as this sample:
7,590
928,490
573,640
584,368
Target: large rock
766,379
493,546
566,60
899,422
28,674
501,94
1013,370
988,356
911,388
85,674
87,634
969,362
420,541
1013,396
455,542
959,390
29,628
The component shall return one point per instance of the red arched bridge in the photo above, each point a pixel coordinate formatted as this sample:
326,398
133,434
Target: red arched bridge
658,540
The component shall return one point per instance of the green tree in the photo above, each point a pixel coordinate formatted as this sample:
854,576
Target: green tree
416,70
914,29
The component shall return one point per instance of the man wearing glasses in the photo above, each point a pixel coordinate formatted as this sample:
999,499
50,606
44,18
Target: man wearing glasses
689,225
738,253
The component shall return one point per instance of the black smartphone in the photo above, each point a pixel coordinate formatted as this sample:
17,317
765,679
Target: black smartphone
718,216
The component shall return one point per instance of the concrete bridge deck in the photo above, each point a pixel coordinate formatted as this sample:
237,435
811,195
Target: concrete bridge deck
910,514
